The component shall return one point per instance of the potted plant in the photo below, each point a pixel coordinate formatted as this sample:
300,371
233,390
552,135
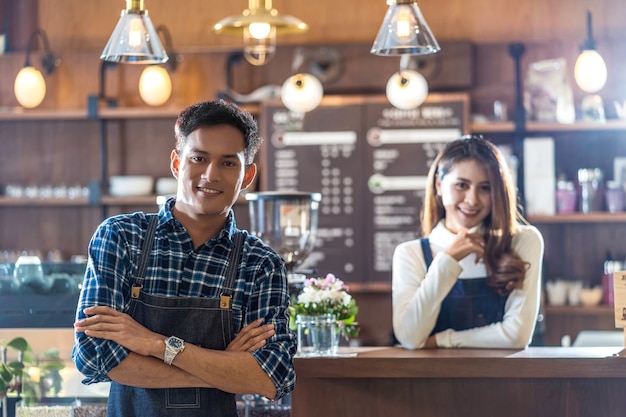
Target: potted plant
27,375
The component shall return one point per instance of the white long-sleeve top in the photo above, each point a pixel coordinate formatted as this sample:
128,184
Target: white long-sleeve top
417,294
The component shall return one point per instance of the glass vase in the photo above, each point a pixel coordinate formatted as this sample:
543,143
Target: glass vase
317,335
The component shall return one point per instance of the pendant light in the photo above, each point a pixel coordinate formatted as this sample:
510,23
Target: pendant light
404,31
302,93
590,70
406,89
259,27
30,84
155,83
134,40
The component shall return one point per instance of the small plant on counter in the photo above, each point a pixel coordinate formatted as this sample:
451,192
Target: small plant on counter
327,295
28,376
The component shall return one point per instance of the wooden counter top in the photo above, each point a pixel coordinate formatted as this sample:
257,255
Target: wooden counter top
534,362
388,381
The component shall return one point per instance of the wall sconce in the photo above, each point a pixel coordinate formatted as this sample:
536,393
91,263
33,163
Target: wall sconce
259,26
134,39
155,83
93,101
406,89
404,31
303,91
590,70
30,85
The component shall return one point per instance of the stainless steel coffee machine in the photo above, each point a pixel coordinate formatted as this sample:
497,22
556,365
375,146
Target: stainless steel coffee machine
287,221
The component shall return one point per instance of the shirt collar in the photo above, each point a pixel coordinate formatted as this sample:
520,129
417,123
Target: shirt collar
166,216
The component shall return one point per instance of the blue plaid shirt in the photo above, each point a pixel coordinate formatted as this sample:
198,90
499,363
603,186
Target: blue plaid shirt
179,269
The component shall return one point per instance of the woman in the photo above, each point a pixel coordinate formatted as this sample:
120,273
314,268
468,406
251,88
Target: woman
474,282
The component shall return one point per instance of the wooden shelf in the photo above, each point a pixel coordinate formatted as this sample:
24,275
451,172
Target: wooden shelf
600,217
117,113
536,127
600,310
77,202
43,202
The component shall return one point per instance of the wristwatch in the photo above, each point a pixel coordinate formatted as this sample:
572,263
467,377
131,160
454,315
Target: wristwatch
173,346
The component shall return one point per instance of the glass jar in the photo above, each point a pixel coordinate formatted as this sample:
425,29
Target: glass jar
614,197
591,193
565,197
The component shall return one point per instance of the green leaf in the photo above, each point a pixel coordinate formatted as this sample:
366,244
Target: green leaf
5,373
16,367
19,343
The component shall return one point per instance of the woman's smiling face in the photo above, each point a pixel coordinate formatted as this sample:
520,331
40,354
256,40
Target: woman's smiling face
465,193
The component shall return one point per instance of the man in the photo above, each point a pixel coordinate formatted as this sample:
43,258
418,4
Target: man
164,333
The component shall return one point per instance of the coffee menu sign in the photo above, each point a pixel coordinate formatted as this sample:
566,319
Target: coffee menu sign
370,161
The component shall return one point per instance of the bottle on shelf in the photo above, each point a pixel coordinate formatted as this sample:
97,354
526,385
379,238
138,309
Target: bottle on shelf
610,266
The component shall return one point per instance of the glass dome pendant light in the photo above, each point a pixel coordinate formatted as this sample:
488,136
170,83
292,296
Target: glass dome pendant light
134,39
404,31
259,26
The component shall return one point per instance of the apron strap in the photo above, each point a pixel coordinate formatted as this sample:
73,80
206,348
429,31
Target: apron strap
145,256
428,254
231,272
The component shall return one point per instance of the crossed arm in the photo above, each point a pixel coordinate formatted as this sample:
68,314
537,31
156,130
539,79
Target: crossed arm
233,370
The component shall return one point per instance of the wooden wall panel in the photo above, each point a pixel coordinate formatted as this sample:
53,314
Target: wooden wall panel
332,21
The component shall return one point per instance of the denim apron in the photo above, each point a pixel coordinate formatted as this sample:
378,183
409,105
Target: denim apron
205,322
470,303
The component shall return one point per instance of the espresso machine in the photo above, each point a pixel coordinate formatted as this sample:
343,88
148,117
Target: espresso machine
286,221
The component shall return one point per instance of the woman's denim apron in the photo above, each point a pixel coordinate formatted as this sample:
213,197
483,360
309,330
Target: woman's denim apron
470,303
205,322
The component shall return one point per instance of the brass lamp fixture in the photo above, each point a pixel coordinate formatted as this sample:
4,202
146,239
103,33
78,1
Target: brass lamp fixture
404,31
30,85
155,83
134,40
259,26
590,70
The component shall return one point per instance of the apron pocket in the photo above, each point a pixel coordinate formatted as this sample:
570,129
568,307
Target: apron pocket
182,398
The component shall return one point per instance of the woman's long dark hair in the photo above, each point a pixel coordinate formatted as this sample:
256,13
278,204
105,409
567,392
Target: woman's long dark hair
505,268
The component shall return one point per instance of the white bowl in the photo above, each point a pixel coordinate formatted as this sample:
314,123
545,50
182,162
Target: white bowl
166,186
130,185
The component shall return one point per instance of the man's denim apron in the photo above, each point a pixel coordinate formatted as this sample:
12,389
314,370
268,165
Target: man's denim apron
205,322
470,303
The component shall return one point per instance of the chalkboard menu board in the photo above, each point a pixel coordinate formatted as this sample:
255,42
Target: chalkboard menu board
369,160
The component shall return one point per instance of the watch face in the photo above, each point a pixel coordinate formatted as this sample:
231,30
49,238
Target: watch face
175,343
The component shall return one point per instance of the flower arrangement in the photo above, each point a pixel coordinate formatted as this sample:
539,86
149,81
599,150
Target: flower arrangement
327,295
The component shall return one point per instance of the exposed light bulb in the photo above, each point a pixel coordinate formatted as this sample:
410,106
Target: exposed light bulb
259,50
29,87
302,93
402,27
590,71
259,30
134,33
407,89
155,85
